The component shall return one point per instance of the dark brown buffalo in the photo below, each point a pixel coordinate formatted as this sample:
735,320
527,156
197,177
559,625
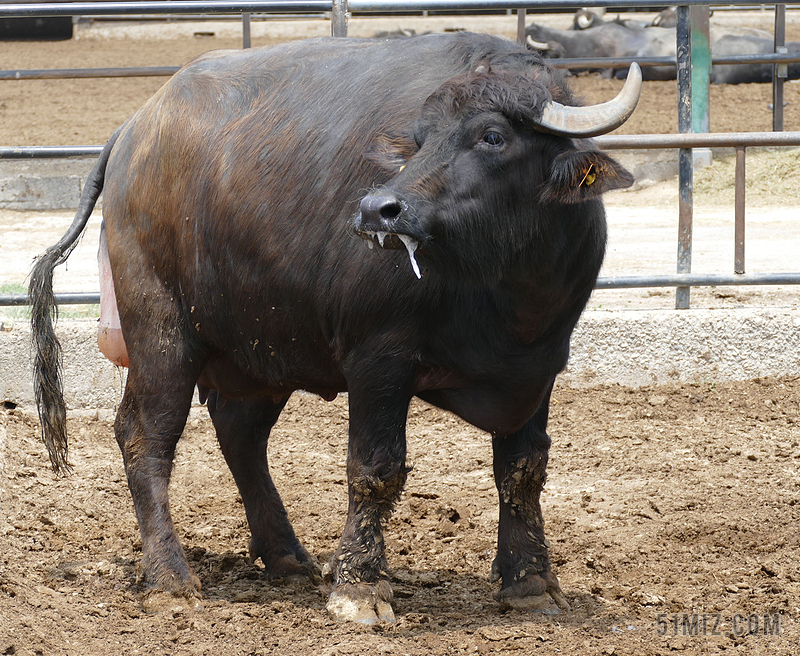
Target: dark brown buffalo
245,208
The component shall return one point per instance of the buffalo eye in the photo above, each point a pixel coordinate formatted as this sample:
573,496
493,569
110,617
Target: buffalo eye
493,138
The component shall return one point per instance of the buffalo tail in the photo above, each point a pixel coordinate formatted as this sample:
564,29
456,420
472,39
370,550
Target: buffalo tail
47,364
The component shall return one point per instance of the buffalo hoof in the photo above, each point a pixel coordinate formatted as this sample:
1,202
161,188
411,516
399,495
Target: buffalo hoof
549,603
290,569
297,564
158,601
536,593
178,580
362,602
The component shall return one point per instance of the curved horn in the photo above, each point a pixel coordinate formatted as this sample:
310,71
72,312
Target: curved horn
536,45
595,119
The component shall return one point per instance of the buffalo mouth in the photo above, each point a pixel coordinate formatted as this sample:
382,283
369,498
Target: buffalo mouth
386,219
393,241
388,240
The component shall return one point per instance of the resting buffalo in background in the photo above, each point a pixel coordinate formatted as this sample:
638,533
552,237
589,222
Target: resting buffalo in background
395,218
591,36
749,45
667,17
586,18
604,39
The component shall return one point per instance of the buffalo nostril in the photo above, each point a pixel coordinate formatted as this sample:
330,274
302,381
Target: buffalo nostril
382,206
391,210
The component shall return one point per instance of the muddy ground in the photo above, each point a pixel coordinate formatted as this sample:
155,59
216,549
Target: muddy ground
662,503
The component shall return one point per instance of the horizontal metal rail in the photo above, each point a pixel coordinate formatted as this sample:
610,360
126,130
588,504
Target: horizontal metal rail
284,6
697,280
606,142
750,7
79,73
389,6
586,62
698,140
174,7
721,8
625,62
48,152
192,18
66,298
611,282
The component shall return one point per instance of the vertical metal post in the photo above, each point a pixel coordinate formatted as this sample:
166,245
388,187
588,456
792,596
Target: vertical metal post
521,13
701,67
245,30
779,71
738,256
339,17
701,79
685,170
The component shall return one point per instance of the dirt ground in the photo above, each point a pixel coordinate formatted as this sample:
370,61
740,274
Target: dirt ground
663,505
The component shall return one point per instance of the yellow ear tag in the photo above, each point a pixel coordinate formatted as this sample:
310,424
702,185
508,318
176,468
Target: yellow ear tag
589,177
401,168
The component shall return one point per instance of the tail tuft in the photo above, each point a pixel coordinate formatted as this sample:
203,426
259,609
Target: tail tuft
47,359
47,364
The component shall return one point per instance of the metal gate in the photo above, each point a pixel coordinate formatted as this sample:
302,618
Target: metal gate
339,12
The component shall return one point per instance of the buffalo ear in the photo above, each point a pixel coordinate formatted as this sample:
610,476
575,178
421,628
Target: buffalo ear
391,152
580,175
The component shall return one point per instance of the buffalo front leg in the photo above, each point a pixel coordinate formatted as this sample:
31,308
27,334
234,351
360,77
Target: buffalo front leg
523,562
376,474
243,429
149,423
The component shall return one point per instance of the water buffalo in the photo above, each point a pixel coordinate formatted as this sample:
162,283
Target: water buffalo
661,42
390,218
586,18
600,38
591,36
731,44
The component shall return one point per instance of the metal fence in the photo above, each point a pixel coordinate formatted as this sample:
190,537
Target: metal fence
340,10
566,62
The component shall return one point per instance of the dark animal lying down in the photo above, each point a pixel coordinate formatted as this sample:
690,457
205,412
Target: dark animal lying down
606,39
744,73
397,218
593,37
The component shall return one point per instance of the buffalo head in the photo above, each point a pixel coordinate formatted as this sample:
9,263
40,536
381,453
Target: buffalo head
492,156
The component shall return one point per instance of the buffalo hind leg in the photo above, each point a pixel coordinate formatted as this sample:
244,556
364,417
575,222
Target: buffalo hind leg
376,474
243,429
522,562
149,424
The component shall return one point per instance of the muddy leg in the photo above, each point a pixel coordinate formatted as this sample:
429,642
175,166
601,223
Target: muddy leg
243,429
522,562
376,474
149,423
